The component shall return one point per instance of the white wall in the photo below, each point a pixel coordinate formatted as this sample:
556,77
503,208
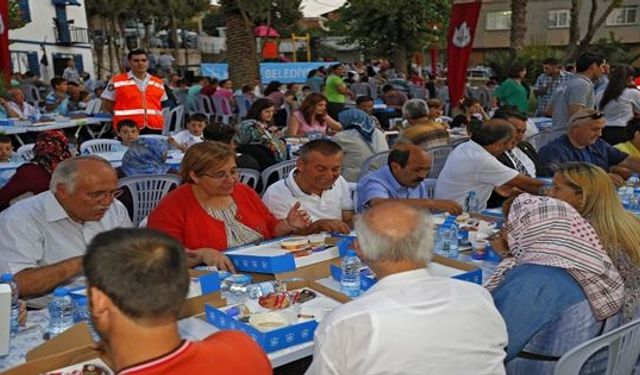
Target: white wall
41,29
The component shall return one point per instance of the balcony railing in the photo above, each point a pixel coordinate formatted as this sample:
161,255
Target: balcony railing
69,35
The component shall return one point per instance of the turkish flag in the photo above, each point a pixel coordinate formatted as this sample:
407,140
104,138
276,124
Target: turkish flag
5,58
462,28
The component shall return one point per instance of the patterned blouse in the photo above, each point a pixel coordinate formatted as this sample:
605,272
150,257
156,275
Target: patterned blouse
630,273
252,132
238,234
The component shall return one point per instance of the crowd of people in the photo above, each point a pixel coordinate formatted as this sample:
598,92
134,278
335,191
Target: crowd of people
571,252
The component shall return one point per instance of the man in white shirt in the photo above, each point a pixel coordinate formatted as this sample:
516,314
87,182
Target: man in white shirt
317,184
409,322
472,166
45,236
70,73
18,104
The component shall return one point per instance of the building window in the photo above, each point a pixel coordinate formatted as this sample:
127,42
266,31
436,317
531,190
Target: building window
499,20
626,15
558,19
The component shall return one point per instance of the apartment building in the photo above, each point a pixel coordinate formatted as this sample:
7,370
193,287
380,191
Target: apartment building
548,24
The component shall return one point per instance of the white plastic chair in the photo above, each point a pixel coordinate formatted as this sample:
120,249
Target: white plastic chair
174,122
205,105
95,146
544,137
218,106
373,163
249,177
431,186
282,169
360,89
147,191
623,345
439,156
243,109
26,151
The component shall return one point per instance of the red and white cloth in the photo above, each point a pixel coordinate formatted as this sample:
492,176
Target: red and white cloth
549,232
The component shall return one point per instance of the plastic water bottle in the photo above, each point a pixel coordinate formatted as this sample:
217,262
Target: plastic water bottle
60,312
451,240
234,288
350,280
471,202
439,246
633,181
82,314
255,291
7,278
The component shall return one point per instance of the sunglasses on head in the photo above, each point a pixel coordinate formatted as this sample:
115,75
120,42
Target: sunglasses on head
595,116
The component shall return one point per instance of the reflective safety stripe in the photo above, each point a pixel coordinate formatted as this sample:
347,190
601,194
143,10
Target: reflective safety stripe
123,83
129,112
156,84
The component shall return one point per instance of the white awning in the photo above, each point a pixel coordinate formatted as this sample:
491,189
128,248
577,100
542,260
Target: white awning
313,8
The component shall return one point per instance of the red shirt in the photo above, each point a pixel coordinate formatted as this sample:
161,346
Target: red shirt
180,215
226,352
29,178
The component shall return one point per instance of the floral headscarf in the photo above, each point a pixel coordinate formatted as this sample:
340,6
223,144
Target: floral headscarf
252,132
145,156
549,232
50,149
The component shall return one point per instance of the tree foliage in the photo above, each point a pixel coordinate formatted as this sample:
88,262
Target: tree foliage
15,19
576,45
392,27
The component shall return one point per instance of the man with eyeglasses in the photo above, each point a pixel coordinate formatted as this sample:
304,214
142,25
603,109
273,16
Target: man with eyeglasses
43,238
583,143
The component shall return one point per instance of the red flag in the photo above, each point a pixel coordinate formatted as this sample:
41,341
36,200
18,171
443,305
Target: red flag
462,28
5,58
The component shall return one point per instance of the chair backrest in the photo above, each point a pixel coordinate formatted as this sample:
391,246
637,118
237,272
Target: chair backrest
623,346
250,177
91,104
373,88
439,156
175,121
26,151
217,105
544,137
147,191
360,89
373,163
243,109
280,169
205,105
430,183
95,146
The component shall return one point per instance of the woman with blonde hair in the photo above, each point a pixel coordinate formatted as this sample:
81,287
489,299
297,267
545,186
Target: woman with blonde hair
590,191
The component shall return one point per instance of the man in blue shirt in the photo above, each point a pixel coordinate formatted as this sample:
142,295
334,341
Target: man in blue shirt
56,101
403,179
582,143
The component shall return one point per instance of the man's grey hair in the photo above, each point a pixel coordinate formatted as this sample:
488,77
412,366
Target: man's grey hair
66,173
415,108
416,245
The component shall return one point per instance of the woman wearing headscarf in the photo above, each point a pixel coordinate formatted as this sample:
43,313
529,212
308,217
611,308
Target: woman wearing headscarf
143,157
32,178
359,140
556,288
254,138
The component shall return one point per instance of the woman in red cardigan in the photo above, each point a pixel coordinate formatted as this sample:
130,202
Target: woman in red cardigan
212,212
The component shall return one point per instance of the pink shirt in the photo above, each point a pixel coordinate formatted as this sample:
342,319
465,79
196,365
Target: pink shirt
225,93
305,128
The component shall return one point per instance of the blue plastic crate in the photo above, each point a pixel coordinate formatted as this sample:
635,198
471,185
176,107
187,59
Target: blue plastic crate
270,341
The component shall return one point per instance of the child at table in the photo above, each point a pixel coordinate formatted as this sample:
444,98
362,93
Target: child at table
184,139
56,101
127,132
436,110
6,149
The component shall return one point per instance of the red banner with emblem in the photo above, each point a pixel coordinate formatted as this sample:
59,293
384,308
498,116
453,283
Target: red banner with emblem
5,57
462,29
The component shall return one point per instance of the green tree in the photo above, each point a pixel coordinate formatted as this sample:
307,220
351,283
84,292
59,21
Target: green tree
576,45
393,28
242,16
15,19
